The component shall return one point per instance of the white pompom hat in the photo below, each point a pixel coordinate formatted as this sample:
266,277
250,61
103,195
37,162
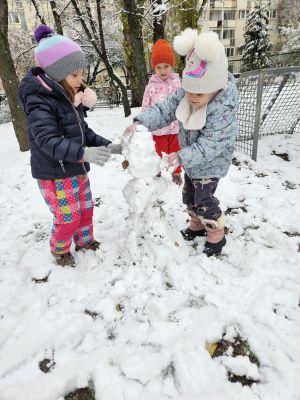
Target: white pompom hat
206,68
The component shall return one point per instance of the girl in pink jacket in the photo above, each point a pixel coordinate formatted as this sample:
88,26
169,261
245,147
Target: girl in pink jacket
162,84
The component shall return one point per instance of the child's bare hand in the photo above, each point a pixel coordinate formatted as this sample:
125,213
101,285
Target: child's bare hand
172,160
130,130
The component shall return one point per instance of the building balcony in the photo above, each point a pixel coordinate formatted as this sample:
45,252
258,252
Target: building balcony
213,24
218,24
223,4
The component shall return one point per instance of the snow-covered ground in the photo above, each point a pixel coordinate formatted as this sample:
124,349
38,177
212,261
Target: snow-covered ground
140,331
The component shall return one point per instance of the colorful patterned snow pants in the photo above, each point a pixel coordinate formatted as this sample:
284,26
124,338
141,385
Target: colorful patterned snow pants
70,200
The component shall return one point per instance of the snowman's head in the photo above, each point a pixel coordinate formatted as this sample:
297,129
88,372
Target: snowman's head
139,151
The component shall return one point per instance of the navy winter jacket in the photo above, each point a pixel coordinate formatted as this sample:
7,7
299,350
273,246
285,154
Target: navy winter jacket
57,130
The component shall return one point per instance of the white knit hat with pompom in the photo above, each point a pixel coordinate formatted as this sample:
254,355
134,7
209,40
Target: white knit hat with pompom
206,68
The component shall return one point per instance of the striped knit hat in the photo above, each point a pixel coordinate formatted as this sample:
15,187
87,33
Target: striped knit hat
58,55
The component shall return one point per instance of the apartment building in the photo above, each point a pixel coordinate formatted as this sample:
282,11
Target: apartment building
16,15
228,19
22,14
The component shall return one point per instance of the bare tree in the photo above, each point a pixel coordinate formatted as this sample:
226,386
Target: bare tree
57,11
159,14
10,80
93,28
38,12
131,16
288,13
57,17
21,50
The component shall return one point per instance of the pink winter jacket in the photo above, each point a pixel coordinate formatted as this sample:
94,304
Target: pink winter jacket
156,91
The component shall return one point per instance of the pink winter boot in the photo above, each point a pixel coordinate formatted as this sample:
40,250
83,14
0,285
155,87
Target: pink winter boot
215,236
195,229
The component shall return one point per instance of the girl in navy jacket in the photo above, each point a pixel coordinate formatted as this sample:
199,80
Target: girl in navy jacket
61,143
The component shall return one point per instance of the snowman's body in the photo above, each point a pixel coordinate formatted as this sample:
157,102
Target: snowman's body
151,237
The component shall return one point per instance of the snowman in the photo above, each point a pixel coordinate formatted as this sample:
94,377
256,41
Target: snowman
152,240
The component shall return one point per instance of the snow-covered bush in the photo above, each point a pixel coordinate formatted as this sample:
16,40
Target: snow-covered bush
293,38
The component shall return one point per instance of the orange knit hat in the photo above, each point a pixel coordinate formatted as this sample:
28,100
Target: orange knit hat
162,53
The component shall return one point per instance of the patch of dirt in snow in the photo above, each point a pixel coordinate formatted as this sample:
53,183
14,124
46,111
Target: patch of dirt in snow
238,347
81,394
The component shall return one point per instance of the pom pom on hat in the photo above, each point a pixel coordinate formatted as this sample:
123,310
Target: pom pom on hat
42,32
162,53
206,68
184,42
208,46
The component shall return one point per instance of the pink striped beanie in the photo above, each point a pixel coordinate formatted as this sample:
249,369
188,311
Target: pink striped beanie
58,55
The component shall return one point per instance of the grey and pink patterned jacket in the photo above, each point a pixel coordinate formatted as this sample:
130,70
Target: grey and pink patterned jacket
156,91
207,152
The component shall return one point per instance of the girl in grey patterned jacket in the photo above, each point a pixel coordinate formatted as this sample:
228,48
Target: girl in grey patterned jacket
205,108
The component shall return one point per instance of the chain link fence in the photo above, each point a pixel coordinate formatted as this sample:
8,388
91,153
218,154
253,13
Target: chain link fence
269,103
277,60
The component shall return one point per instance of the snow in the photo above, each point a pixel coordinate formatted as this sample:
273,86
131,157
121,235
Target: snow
241,366
135,321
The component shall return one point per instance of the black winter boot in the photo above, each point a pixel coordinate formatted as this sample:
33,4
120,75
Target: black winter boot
189,235
214,249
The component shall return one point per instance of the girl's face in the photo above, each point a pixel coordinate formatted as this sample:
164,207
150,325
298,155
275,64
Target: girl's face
163,70
75,79
198,100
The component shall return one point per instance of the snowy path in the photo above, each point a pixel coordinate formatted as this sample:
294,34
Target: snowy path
139,332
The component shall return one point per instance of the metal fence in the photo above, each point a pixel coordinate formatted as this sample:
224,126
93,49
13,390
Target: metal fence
269,103
277,60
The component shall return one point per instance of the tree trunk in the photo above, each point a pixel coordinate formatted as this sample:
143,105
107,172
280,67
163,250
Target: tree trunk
10,81
159,23
37,11
56,16
111,72
134,51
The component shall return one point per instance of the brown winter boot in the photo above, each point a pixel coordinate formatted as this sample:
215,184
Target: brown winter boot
65,259
215,236
89,246
195,229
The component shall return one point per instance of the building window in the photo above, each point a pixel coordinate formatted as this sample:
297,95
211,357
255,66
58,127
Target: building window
18,3
229,15
229,51
215,15
15,18
243,14
271,14
228,34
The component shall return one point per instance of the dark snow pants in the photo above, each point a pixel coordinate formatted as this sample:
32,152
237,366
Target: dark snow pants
198,195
